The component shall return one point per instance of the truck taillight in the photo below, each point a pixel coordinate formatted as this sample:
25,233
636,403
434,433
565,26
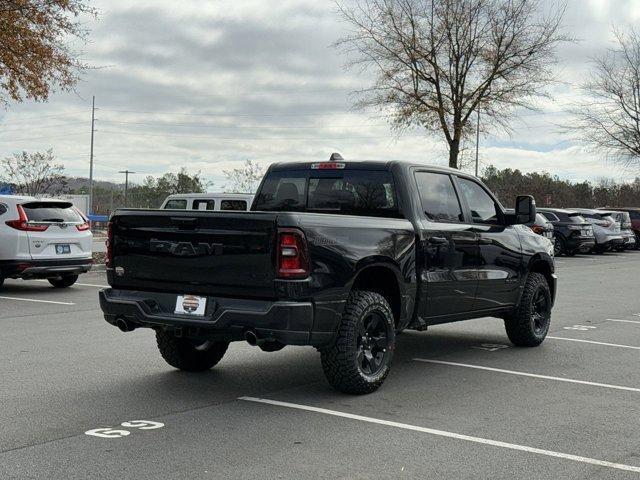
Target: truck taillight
109,243
22,223
292,254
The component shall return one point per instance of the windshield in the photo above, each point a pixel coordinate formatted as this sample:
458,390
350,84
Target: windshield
577,219
348,192
62,212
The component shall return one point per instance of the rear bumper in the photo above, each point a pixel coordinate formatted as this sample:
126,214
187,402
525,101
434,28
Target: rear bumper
582,244
30,269
289,323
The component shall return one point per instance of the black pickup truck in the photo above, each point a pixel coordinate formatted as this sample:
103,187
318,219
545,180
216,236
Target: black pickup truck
336,255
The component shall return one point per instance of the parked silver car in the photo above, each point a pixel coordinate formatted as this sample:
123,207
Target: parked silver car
605,229
628,235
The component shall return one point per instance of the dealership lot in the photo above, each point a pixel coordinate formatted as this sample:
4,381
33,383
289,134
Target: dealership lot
460,402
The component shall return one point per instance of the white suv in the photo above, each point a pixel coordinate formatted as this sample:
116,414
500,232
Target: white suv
42,238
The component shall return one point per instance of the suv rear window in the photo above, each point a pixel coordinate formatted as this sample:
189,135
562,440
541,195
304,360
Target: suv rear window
176,205
51,212
347,192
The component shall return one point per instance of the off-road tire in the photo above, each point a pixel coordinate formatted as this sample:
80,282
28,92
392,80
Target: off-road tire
63,282
520,325
184,354
340,360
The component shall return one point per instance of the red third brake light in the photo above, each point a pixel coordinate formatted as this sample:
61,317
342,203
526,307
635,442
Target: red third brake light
292,254
23,223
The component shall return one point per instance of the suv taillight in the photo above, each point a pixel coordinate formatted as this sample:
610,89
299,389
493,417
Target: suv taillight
109,243
23,223
292,254
83,227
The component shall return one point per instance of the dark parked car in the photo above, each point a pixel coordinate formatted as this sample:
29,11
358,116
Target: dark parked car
335,255
572,232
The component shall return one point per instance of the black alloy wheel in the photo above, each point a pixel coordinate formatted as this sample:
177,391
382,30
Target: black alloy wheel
373,344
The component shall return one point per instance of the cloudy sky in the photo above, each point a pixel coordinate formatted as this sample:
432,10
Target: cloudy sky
208,84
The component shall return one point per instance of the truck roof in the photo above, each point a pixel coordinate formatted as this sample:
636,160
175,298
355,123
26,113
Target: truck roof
362,165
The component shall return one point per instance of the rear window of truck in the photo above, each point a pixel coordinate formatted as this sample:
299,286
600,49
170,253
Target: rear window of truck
348,192
51,212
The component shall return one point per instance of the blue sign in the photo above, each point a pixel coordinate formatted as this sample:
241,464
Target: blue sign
5,189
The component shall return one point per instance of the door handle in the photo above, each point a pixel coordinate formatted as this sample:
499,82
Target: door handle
438,240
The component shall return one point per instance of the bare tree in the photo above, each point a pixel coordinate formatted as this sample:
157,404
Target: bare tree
36,54
608,120
438,61
33,173
246,178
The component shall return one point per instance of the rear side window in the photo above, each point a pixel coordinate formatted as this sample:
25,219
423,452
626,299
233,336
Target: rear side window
176,205
438,197
204,204
482,206
51,212
233,205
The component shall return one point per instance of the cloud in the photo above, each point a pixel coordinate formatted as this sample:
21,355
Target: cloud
207,85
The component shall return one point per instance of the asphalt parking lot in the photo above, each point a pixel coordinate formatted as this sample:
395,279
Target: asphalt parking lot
80,399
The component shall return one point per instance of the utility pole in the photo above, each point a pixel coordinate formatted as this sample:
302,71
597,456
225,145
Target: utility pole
477,138
93,123
126,183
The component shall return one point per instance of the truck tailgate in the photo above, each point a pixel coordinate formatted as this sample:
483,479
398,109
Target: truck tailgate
207,253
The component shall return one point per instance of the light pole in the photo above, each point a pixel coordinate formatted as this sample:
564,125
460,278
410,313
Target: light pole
93,123
126,183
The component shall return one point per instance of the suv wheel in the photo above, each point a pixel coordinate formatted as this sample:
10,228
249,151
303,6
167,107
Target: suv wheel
558,247
528,325
189,354
360,358
64,281
1,281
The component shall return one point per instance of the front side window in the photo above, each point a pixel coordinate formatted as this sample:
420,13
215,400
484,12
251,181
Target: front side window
204,204
176,205
482,206
439,199
233,205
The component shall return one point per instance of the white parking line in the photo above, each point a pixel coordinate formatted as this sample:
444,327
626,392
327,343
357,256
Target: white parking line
442,433
622,321
533,375
594,343
35,301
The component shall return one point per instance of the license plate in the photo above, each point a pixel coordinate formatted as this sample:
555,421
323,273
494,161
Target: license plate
63,249
191,305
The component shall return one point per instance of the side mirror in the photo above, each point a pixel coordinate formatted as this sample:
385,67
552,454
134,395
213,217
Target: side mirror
525,209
